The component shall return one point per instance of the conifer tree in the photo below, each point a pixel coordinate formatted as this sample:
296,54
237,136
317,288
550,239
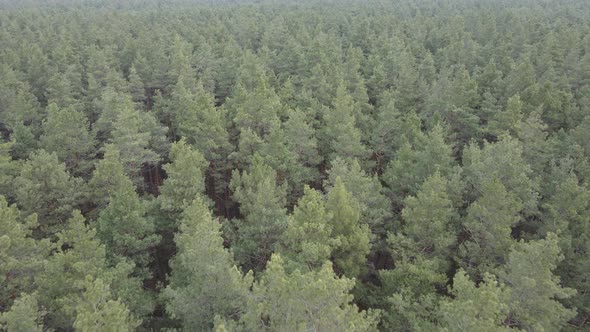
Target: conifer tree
79,254
132,139
66,132
125,230
98,312
567,212
475,307
385,136
375,206
489,223
205,282
306,243
417,159
533,288
185,180
502,160
351,237
507,121
45,188
315,300
136,86
21,257
262,204
9,169
341,136
108,177
24,315
430,219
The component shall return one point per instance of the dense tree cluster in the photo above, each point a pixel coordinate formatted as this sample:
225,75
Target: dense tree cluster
295,166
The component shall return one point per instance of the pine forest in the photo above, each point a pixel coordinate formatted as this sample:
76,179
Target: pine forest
295,165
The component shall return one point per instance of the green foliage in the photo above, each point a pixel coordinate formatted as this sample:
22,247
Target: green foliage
79,254
429,218
301,140
418,158
340,129
97,312
299,301
185,180
375,206
502,160
45,188
66,132
204,282
350,236
403,144
567,213
23,316
474,307
262,204
489,223
108,177
21,257
507,121
410,292
306,243
131,137
533,288
9,169
387,134
125,231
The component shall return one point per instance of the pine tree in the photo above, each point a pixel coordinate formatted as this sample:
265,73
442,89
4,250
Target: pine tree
45,188
23,141
61,92
507,121
79,254
536,149
205,127
136,86
417,159
409,290
108,107
474,307
502,160
21,257
315,300
351,237
489,223
262,204
97,312
66,132
567,212
254,104
23,316
185,180
132,139
301,142
430,218
385,136
126,231
204,281
9,169
306,243
341,137
375,206
533,288
19,104
108,177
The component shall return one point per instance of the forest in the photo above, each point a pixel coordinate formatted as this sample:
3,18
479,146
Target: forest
282,165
